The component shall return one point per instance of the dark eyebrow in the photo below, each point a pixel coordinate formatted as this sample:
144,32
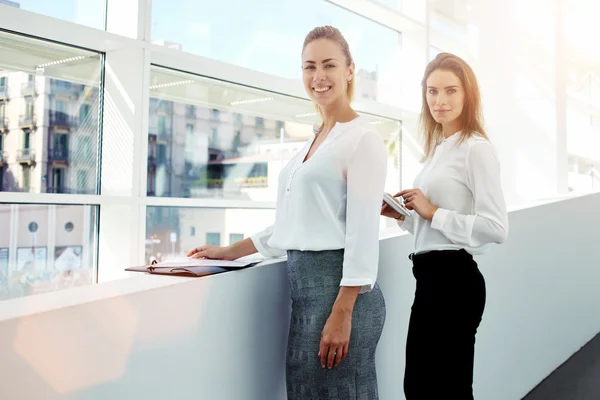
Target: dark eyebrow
323,62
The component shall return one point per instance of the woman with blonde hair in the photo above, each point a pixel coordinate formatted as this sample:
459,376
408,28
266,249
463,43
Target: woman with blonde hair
327,222
458,210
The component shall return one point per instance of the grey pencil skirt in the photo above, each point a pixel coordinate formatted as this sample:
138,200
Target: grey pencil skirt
314,279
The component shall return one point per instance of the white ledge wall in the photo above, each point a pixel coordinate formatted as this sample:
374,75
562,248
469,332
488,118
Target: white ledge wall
223,337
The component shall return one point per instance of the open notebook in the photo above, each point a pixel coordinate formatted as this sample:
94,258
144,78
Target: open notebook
186,266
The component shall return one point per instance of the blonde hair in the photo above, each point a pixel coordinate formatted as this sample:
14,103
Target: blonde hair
333,34
472,114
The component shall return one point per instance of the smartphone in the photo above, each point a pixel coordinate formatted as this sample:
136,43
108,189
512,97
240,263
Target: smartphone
396,205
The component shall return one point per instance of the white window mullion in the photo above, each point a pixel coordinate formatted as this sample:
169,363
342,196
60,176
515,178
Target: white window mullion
124,148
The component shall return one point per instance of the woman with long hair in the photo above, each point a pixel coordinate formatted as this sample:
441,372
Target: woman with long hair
458,210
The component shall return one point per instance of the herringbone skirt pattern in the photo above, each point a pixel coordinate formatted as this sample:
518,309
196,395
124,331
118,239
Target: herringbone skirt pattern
314,279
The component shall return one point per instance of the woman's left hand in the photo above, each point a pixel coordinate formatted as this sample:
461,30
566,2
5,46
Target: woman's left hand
335,339
414,199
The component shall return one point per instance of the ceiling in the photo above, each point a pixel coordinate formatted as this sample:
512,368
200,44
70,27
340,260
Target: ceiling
20,53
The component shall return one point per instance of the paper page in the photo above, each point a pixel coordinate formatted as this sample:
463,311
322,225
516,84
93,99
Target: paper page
194,262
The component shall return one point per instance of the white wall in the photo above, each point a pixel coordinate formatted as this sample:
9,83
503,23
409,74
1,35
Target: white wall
224,336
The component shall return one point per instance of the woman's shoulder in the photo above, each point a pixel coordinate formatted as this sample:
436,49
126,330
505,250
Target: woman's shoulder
479,146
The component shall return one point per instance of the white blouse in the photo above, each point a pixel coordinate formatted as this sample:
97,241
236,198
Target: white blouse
463,180
332,201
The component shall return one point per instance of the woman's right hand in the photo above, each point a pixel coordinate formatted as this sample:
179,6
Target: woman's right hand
212,252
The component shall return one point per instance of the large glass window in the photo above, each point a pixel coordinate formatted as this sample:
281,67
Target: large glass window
91,13
269,38
239,154
172,231
46,247
47,86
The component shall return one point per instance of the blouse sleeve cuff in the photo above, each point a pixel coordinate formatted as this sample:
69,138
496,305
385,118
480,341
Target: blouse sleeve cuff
256,240
439,218
365,284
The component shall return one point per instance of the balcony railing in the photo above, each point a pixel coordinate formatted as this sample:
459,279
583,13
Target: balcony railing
27,120
25,156
61,119
66,88
28,88
3,92
59,154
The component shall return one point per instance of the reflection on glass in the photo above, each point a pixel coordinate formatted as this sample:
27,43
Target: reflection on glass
583,127
52,248
172,231
236,140
263,43
49,113
85,12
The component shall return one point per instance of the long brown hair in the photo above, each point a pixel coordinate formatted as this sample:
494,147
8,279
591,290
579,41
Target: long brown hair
331,33
472,114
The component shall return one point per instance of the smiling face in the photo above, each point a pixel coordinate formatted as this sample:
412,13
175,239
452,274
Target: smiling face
325,72
445,97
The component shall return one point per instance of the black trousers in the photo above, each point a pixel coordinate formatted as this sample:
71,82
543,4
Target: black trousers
448,306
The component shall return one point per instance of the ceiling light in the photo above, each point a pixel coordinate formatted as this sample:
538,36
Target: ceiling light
63,61
235,103
312,114
163,85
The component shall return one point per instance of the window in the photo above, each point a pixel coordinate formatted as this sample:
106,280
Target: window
82,177
213,238
235,237
84,112
162,221
90,13
190,111
29,107
215,115
233,161
26,140
214,138
238,118
259,122
26,184
51,251
162,125
48,257
270,45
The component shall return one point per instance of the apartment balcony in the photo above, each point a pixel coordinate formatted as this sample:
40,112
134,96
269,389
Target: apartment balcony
3,124
59,156
66,89
61,120
28,88
27,121
25,156
4,92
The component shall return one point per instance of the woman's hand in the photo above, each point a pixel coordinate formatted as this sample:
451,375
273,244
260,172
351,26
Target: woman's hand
212,252
414,199
335,338
389,212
